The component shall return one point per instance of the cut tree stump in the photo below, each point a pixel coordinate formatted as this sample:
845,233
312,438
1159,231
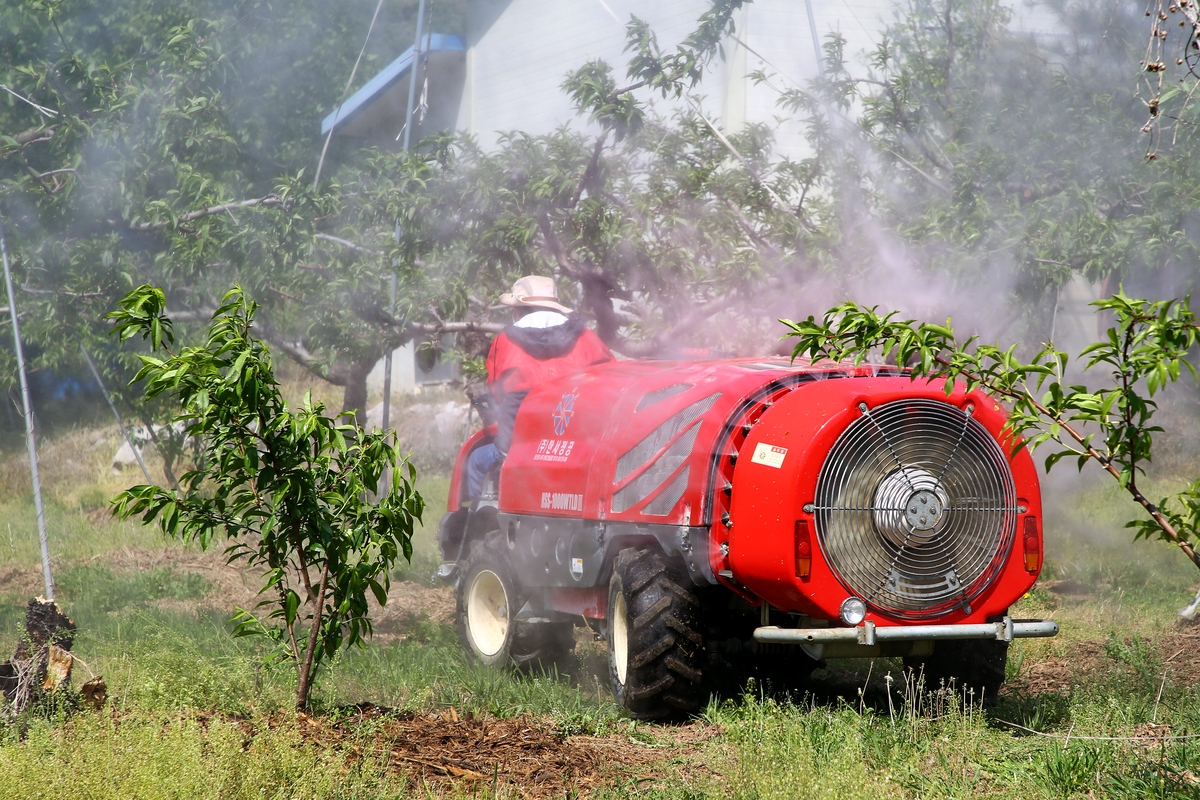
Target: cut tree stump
42,661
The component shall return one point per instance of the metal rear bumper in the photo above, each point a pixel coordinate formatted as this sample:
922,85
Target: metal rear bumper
869,634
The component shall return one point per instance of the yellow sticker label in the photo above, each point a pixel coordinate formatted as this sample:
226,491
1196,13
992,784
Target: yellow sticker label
769,454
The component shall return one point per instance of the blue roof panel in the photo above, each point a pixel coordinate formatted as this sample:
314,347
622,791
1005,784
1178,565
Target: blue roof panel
388,76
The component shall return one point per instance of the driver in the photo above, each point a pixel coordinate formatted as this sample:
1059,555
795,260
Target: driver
541,344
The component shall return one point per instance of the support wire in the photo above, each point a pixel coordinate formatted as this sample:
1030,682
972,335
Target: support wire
137,453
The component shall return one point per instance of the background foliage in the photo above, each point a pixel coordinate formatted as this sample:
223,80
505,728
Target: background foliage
968,169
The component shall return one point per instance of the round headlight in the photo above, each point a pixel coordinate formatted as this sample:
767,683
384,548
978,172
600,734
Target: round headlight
853,611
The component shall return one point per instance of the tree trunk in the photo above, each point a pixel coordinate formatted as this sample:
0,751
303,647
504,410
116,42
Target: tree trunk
354,398
164,452
596,297
304,678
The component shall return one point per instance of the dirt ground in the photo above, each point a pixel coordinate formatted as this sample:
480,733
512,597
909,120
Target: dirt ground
523,754
1179,654
1178,651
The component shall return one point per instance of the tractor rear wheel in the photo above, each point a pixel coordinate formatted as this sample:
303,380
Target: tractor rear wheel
655,649
971,665
487,603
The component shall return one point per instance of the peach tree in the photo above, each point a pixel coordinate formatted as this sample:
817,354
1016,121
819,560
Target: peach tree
286,489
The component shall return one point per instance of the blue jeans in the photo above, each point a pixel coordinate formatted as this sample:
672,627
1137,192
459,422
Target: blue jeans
479,465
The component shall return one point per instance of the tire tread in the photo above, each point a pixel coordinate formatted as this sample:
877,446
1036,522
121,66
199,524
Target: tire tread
666,648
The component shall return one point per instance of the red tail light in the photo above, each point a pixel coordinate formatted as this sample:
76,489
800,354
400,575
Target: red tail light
1033,545
803,549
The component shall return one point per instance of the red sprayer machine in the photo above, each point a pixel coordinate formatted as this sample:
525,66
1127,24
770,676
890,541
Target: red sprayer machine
705,513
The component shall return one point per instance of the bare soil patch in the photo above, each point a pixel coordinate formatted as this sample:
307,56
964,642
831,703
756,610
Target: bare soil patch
1058,674
1089,661
1181,655
1068,588
20,581
524,755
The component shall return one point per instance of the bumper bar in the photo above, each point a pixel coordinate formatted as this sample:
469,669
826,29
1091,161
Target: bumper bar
869,633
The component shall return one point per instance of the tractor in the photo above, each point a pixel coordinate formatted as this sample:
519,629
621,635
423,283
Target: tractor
704,515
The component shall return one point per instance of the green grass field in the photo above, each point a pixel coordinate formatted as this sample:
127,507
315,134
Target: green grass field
194,713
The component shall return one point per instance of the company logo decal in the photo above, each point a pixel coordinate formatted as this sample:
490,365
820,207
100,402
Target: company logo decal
563,413
554,450
561,501
769,454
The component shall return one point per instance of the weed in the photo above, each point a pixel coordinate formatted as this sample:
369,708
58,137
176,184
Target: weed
1040,713
1067,770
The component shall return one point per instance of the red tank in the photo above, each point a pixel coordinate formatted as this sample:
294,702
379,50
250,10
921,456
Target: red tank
700,513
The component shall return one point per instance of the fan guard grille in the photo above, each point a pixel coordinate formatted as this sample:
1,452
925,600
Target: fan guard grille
915,508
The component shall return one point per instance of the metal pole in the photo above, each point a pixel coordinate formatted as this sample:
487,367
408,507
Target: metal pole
408,118
387,366
137,453
29,438
812,26
412,77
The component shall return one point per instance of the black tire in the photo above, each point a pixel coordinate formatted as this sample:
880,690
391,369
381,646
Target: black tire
655,649
487,627
967,665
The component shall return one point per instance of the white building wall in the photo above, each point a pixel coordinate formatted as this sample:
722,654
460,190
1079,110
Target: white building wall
404,371
520,51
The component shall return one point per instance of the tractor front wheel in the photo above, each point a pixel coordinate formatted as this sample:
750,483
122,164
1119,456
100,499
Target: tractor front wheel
655,649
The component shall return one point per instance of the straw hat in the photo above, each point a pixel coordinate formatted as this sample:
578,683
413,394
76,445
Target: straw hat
534,291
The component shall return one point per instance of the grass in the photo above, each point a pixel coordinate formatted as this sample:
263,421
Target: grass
196,713
845,752
144,755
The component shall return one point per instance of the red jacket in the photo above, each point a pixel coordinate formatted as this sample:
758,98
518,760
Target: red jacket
522,358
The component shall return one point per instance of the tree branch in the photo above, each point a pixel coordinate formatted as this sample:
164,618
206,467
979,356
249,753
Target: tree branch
35,135
358,248
467,326
1103,460
748,228
293,350
598,286
934,182
590,172
84,295
779,204
269,200
655,344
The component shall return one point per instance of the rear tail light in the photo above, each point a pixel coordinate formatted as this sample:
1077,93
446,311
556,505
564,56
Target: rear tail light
803,549
1033,545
